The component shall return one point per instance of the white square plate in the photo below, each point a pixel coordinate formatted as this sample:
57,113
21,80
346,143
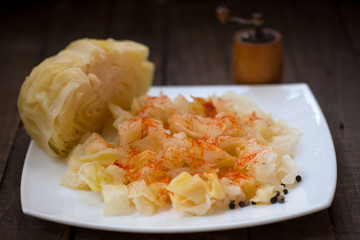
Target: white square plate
43,197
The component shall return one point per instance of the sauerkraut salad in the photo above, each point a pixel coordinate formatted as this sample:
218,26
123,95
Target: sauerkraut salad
199,155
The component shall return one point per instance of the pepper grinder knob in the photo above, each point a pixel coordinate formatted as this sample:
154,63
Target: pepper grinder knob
222,13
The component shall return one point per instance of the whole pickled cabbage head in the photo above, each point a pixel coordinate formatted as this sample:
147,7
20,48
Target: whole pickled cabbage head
68,94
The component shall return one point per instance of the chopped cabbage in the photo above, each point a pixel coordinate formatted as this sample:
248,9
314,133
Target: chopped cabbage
116,200
199,156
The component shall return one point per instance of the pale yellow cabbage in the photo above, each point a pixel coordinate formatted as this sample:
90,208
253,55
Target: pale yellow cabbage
68,94
287,169
140,188
199,156
71,177
130,131
194,195
214,187
264,194
114,175
286,140
88,160
232,191
119,114
144,206
116,200
142,197
91,173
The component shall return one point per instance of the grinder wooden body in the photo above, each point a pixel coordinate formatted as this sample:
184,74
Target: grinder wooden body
257,62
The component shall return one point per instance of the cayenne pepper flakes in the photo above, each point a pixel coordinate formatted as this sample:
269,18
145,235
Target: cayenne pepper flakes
208,107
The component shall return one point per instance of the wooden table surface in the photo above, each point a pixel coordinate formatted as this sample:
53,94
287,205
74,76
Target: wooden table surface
189,46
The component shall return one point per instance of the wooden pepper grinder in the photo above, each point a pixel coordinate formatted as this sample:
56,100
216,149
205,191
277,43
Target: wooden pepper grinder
257,56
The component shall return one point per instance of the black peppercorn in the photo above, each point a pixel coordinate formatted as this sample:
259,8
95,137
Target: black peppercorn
298,178
253,203
273,200
283,185
241,204
285,191
232,204
281,199
277,194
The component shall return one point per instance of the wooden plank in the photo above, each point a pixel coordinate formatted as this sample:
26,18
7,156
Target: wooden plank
297,228
144,22
351,19
239,234
123,20
13,223
21,45
195,53
72,20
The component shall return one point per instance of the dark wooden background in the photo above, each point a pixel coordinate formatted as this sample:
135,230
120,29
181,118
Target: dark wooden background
189,46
